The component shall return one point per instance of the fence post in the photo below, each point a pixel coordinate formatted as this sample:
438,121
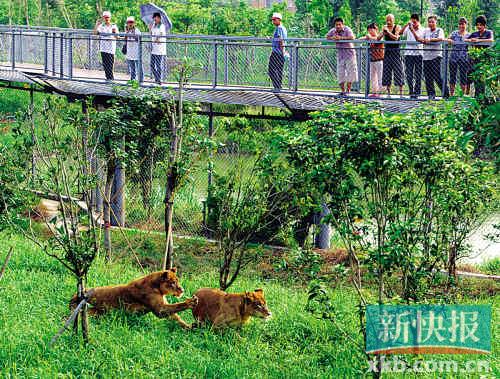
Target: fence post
70,55
214,83
61,56
360,67
13,50
444,89
295,67
53,54
89,52
46,53
20,46
140,71
226,62
368,73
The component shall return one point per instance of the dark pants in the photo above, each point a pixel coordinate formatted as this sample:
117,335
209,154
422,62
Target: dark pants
108,61
158,67
133,67
432,73
275,69
413,65
393,66
461,67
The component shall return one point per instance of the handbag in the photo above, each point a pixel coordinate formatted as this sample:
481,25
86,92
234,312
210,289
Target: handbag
124,48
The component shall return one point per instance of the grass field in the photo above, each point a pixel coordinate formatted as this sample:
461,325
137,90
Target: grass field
33,303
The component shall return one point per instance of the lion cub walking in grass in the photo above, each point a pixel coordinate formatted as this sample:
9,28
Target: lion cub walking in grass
229,309
142,295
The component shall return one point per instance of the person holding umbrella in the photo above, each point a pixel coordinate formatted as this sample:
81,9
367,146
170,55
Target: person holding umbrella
107,44
159,47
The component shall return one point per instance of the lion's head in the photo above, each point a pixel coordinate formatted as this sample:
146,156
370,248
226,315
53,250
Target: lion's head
256,304
168,283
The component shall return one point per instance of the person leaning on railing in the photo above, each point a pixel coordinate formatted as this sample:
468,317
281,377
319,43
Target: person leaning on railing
412,32
132,47
159,48
459,59
433,55
347,68
107,44
376,60
393,65
480,36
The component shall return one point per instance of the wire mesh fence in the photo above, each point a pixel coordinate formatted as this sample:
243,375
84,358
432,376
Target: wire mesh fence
366,68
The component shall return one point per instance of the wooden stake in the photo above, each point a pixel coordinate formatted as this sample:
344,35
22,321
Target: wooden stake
6,262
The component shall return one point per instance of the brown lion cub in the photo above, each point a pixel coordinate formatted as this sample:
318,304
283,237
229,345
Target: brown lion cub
229,309
142,295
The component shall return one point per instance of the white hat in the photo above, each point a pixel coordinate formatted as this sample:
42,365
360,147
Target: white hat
277,15
131,19
106,14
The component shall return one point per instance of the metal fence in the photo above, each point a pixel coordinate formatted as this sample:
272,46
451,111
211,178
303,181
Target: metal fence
244,62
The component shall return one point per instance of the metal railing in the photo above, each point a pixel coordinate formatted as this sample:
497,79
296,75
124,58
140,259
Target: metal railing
223,62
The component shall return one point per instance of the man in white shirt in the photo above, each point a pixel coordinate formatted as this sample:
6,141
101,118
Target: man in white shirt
107,43
159,48
131,41
412,31
433,55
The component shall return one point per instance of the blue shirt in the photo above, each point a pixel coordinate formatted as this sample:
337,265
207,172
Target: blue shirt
459,49
279,35
487,34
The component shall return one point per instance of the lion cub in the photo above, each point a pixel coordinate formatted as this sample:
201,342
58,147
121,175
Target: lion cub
142,296
229,309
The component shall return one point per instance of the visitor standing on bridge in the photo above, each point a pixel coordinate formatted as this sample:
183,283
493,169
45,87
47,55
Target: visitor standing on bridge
347,68
159,48
107,43
433,55
393,65
132,47
459,59
480,36
413,54
376,60
277,58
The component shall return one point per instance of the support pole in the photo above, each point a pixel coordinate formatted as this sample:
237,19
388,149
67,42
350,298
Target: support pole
210,165
322,240
368,73
32,120
13,50
140,73
216,68
118,197
46,53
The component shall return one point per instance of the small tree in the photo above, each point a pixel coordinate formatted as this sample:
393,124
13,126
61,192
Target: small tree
62,175
241,206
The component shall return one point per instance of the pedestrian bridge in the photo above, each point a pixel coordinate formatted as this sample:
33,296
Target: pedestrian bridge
225,69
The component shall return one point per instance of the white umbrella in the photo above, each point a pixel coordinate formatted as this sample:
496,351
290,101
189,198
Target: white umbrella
147,11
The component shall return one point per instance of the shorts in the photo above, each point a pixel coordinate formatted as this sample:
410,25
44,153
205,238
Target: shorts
347,70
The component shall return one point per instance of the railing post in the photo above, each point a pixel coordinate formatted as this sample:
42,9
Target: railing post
368,73
53,54
295,67
61,56
360,66
444,91
226,62
20,46
46,53
70,55
214,82
140,71
89,52
13,50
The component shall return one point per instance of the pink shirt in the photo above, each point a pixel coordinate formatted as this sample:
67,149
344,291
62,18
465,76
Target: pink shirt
345,50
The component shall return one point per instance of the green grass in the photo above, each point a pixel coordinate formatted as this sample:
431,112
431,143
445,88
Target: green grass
33,303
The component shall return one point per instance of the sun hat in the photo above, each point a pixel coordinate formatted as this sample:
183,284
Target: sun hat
106,14
277,15
131,19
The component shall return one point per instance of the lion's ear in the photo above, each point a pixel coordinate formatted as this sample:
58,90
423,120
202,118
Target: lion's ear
164,275
173,269
259,290
247,298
